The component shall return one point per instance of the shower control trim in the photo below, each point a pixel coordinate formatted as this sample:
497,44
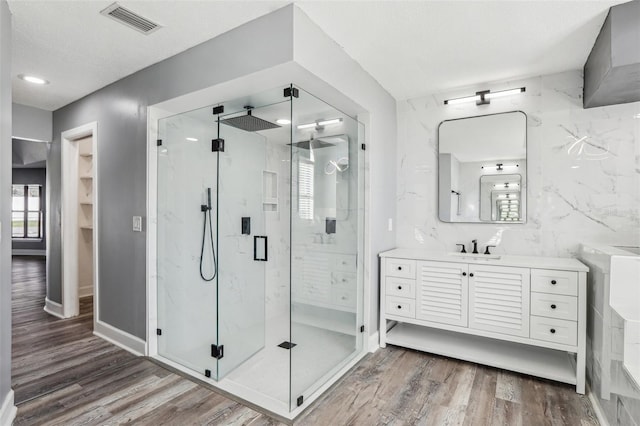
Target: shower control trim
217,145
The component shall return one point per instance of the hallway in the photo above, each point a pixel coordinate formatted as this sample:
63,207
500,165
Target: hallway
64,375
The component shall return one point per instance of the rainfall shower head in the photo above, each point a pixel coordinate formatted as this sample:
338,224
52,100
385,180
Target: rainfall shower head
314,143
249,122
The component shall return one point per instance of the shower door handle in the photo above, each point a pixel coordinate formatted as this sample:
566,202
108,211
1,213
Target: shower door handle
260,248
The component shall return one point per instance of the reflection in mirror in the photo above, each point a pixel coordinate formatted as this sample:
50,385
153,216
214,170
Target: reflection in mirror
477,156
323,167
500,199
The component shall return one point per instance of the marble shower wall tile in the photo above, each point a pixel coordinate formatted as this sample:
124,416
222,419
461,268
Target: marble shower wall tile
583,170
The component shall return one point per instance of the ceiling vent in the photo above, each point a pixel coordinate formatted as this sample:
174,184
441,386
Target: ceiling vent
130,19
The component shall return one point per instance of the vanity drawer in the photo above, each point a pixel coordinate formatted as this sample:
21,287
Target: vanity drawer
345,298
402,287
402,268
345,262
344,280
554,330
554,306
401,306
556,282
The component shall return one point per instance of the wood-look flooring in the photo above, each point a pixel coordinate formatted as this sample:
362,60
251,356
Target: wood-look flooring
63,375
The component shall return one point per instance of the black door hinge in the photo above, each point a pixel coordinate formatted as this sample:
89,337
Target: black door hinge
159,331
217,352
217,145
300,400
364,147
362,329
207,373
218,109
291,91
159,142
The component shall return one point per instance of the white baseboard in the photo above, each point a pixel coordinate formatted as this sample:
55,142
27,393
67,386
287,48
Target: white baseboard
28,252
53,308
85,290
374,342
120,338
597,408
8,410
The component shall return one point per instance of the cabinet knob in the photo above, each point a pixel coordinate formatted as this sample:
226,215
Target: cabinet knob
553,331
553,306
399,268
471,274
464,274
399,307
399,287
553,282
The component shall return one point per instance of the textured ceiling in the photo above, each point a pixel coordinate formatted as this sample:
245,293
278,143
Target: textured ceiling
411,48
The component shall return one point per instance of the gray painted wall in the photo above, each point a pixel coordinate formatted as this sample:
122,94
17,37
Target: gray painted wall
5,197
35,177
32,123
120,110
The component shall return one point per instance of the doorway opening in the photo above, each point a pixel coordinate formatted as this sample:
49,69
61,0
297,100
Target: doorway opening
79,219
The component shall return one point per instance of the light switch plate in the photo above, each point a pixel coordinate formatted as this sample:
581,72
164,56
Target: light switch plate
137,224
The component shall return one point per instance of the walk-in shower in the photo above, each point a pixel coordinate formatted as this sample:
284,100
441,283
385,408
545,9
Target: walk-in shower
264,197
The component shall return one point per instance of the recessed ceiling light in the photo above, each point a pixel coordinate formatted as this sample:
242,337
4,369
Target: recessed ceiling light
192,139
283,121
33,79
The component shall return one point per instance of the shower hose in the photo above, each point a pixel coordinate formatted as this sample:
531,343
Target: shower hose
206,210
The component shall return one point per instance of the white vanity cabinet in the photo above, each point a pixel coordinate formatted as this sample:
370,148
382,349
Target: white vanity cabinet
521,313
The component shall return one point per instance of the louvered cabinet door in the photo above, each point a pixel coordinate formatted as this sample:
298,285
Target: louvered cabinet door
499,299
442,292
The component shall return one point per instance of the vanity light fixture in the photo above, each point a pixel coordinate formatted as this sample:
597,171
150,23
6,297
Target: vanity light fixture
484,97
506,185
320,123
328,122
455,101
192,139
500,167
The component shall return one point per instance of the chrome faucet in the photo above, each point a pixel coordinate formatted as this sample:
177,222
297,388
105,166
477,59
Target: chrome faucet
475,246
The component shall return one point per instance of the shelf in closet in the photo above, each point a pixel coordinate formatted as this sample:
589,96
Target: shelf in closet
86,203
89,155
89,227
86,177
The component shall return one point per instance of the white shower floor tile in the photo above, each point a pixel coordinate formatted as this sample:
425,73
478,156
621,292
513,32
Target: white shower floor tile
316,352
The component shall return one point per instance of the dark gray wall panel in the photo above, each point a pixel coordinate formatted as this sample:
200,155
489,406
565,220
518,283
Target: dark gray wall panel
612,70
120,110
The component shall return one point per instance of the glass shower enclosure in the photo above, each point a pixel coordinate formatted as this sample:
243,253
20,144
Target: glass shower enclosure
259,244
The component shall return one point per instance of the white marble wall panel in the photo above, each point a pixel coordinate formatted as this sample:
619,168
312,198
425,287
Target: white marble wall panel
583,170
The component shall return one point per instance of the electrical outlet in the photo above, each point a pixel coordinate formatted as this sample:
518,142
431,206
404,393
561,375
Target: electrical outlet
137,224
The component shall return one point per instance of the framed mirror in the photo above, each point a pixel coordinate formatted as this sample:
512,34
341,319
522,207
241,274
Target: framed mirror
482,169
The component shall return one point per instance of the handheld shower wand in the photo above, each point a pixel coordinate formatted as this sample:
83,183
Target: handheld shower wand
206,210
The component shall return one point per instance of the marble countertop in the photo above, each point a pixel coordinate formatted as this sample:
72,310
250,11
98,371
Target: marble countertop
557,263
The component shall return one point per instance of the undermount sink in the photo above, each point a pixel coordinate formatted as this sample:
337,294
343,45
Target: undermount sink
471,256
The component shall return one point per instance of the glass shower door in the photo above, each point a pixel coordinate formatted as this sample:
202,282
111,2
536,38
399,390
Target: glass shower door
242,245
186,302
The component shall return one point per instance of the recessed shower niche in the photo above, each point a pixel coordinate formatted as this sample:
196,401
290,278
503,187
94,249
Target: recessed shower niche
258,238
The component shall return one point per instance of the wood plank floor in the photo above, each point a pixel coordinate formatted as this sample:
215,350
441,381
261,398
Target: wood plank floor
63,375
